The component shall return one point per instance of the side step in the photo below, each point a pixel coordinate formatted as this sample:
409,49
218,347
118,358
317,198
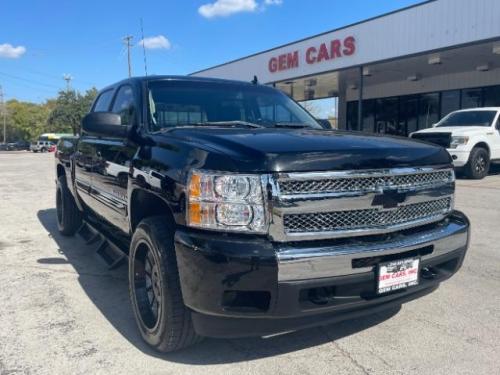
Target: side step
109,251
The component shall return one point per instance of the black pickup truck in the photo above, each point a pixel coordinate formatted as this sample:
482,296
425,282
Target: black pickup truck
238,215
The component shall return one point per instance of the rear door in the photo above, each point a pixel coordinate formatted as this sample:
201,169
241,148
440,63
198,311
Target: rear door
113,160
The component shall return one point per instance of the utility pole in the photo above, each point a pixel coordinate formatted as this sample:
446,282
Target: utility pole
127,40
68,78
4,115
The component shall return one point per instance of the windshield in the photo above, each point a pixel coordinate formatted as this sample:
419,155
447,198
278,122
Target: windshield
184,103
468,118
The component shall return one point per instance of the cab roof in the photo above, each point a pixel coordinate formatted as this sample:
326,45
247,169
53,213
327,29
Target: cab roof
139,80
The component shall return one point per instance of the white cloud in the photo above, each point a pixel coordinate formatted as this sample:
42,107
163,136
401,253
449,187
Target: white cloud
222,8
273,2
156,42
8,51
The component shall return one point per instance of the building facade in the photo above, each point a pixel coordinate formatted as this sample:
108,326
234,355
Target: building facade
392,74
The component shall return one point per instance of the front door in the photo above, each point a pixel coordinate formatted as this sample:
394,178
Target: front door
112,161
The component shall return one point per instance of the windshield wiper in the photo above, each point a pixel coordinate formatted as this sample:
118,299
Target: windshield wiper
234,123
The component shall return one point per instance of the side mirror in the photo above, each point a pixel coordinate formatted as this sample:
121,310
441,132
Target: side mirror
106,124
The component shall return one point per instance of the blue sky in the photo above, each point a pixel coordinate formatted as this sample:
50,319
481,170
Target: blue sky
42,40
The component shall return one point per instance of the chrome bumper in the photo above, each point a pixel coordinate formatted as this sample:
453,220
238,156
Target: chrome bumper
303,263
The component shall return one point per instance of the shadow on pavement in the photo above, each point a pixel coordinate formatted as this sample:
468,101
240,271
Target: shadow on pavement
108,290
494,171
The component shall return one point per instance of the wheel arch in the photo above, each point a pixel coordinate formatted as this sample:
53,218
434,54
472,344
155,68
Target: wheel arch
60,171
144,204
483,144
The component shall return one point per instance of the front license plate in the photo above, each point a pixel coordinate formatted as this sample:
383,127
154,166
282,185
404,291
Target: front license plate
397,274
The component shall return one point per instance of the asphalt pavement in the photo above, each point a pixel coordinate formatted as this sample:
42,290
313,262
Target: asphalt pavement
63,312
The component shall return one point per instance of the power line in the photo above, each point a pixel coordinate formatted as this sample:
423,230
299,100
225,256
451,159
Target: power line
29,80
127,40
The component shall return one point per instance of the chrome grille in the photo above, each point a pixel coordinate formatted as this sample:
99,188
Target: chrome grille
347,183
365,219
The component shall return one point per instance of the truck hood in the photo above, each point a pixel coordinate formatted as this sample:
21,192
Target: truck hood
458,130
288,150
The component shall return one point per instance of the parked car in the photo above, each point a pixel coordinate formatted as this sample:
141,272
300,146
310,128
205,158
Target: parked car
471,136
41,146
239,215
19,146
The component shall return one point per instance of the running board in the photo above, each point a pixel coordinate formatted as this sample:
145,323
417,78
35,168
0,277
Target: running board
107,250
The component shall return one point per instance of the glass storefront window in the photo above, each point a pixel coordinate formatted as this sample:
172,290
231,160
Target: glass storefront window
492,96
387,116
352,115
471,98
406,114
450,101
428,109
369,116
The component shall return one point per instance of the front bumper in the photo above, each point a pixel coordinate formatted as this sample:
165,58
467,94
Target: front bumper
460,158
240,286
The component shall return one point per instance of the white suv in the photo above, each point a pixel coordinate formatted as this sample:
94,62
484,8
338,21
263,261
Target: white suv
40,146
471,136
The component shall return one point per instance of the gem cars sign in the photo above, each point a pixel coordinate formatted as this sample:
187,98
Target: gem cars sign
336,49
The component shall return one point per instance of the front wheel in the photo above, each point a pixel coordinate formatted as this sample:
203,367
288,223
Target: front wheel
155,292
478,165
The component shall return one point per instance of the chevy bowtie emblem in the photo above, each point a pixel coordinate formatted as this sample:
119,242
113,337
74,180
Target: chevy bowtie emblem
389,199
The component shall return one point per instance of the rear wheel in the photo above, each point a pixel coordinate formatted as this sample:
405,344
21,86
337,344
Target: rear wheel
69,217
43,149
155,292
478,165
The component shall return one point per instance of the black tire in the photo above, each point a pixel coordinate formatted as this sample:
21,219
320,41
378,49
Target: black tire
43,150
163,319
69,217
478,165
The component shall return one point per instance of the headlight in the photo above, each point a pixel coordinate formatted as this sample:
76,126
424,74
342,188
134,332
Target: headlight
458,141
226,202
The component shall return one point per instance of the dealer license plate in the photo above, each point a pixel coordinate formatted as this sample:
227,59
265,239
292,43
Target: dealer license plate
397,274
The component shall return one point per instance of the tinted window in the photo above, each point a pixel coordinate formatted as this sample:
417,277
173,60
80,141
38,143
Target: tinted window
103,101
124,104
468,118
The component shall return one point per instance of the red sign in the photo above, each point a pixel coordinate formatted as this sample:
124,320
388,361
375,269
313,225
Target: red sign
315,54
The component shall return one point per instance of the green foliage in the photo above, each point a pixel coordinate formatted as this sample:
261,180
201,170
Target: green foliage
70,107
26,121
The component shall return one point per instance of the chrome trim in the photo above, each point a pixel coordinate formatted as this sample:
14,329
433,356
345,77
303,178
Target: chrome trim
373,173
302,263
289,204
367,232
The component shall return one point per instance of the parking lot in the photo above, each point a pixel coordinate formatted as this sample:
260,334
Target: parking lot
62,312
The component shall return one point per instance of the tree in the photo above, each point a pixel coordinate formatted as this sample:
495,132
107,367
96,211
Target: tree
69,109
26,120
